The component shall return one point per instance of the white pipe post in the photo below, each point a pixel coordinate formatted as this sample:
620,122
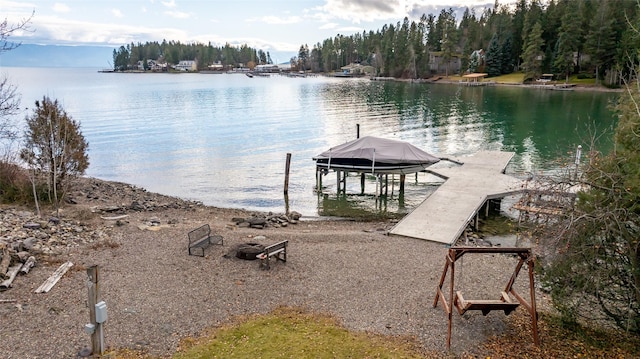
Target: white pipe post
577,162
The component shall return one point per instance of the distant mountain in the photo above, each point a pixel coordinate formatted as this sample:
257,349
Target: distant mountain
28,55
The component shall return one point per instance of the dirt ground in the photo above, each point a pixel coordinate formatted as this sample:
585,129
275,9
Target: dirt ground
157,294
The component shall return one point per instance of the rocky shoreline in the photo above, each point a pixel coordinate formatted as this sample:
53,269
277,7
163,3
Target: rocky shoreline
24,235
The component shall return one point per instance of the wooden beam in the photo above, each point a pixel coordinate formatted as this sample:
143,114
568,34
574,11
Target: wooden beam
54,278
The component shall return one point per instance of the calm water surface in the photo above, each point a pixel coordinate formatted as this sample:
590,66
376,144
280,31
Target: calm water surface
222,139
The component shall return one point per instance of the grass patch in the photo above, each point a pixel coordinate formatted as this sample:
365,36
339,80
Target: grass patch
288,333
512,78
294,333
577,79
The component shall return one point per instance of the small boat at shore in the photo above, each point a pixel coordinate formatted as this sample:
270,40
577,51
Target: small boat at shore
249,74
563,87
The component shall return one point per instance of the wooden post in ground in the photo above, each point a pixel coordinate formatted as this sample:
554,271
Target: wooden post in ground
287,167
97,337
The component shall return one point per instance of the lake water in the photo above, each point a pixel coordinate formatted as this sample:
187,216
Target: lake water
223,138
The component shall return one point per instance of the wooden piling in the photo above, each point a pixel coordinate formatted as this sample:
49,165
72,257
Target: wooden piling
287,167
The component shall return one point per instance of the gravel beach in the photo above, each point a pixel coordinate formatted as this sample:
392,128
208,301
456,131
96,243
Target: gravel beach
157,294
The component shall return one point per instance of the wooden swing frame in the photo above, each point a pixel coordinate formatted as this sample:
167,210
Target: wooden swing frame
504,303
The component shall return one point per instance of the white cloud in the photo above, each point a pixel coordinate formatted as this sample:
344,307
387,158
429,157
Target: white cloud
349,29
116,12
358,11
55,30
257,43
8,6
61,8
329,26
177,14
275,20
169,4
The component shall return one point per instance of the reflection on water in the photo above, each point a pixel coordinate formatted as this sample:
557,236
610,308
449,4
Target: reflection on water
223,139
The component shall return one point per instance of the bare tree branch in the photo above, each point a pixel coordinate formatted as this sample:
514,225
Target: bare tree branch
6,30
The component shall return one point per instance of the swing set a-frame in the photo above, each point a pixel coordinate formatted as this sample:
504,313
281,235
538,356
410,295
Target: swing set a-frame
504,303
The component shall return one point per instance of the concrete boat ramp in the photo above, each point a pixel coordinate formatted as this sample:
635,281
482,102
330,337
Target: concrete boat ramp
445,214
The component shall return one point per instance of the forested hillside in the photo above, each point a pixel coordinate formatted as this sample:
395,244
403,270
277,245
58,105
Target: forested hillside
592,38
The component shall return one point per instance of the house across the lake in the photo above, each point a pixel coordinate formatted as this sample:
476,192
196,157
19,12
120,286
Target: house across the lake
187,65
438,65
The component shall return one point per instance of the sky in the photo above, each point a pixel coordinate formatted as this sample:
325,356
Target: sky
270,25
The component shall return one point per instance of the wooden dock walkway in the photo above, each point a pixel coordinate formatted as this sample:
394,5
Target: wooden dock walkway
445,214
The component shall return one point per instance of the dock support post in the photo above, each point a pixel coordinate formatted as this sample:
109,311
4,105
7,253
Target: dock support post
402,179
362,183
393,184
386,185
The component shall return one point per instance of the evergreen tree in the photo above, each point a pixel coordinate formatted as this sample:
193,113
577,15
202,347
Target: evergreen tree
601,41
465,63
474,62
420,52
517,26
494,57
449,40
569,41
402,52
532,54
303,58
121,59
433,36
388,50
506,60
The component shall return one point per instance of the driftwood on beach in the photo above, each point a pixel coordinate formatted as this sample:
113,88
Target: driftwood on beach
54,278
26,267
11,275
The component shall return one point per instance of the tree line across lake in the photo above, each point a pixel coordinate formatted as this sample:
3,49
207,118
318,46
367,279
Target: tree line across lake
591,38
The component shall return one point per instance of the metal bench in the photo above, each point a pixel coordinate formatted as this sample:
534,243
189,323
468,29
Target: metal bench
278,250
201,238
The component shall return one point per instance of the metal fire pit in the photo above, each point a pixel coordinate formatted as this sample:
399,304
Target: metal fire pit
249,251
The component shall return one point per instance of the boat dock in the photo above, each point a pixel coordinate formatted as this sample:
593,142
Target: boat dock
445,214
